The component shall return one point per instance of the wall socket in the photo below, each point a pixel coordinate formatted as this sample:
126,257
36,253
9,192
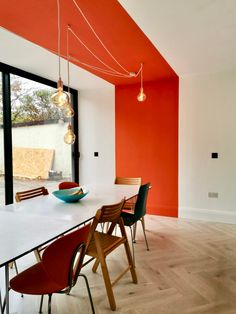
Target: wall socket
213,194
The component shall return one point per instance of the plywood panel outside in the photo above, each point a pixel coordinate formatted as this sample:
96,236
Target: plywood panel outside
32,162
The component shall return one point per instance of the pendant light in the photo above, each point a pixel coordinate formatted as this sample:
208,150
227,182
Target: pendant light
141,96
60,98
69,111
69,137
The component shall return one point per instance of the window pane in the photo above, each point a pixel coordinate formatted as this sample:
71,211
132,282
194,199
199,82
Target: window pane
40,156
2,178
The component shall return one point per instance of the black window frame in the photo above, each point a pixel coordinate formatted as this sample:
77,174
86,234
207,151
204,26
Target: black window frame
6,71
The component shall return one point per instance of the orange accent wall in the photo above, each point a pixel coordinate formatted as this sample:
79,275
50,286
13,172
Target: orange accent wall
147,141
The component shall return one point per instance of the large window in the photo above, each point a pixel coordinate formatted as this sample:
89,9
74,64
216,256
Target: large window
34,130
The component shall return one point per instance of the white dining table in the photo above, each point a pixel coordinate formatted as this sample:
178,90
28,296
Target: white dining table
29,224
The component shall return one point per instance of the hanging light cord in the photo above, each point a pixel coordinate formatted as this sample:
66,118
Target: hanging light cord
98,38
141,75
59,37
68,57
95,56
107,72
111,72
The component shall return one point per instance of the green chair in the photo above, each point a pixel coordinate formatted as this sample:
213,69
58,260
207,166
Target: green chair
131,218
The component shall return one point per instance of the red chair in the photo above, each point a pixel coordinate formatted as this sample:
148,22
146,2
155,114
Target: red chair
68,185
59,269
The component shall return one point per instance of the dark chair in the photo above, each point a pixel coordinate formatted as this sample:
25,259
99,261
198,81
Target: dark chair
59,269
131,218
101,244
67,185
130,204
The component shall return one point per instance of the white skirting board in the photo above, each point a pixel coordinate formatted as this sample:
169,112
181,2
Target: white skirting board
208,215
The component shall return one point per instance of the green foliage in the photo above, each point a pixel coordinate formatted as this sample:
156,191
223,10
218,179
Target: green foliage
30,103
35,107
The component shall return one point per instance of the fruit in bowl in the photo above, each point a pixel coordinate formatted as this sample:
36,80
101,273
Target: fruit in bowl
71,195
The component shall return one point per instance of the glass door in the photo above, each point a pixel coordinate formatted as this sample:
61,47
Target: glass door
2,171
40,156
32,129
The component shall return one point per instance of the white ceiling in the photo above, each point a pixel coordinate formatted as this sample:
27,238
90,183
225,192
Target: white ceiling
29,57
194,36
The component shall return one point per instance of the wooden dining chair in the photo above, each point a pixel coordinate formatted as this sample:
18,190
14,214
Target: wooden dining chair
24,195
129,204
128,181
100,244
58,270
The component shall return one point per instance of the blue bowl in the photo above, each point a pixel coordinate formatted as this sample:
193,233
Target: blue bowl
70,195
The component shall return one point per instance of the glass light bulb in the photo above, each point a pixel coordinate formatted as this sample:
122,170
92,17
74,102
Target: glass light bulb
69,111
60,98
69,137
141,96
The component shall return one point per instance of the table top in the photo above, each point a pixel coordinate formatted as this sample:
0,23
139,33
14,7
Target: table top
31,223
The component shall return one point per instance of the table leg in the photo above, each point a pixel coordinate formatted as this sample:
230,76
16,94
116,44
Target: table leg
1,306
7,287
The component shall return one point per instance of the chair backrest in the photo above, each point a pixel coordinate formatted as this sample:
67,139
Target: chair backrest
67,185
24,195
107,213
59,258
140,205
128,181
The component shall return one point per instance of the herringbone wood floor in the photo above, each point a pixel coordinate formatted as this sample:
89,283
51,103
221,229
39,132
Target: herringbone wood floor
190,268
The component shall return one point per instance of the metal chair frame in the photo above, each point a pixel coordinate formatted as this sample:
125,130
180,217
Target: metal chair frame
72,280
138,214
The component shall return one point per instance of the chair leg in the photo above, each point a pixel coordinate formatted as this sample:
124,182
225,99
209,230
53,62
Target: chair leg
41,304
16,268
95,265
143,225
1,306
37,255
11,265
89,292
132,242
49,303
105,273
135,228
128,253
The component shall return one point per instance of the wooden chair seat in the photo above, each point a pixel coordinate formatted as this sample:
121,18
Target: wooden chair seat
108,244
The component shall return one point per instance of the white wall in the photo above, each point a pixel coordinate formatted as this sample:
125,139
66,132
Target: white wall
97,134
96,105
49,136
207,124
